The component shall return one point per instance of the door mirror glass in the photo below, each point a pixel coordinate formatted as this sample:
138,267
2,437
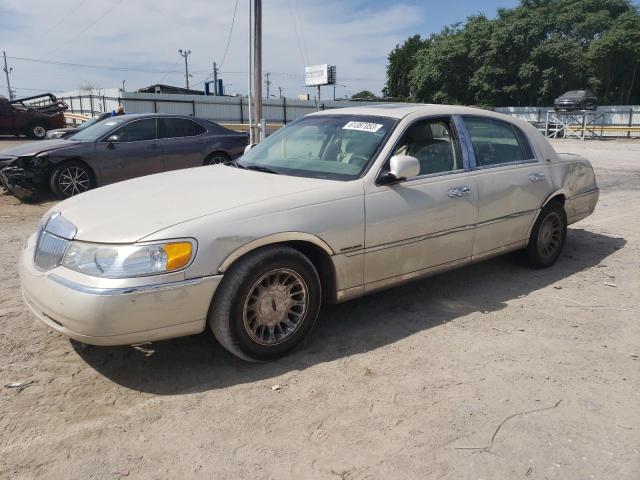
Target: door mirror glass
402,167
113,139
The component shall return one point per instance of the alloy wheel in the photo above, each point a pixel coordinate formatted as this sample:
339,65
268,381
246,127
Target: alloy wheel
73,180
217,160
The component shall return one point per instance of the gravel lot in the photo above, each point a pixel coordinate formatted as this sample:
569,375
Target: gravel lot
494,371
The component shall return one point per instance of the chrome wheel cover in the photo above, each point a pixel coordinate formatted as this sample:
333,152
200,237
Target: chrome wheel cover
550,236
73,180
39,131
275,307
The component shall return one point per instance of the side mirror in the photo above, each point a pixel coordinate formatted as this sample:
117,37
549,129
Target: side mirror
401,167
111,140
249,147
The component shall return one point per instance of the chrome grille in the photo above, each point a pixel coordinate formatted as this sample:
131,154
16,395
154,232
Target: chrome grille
49,250
54,235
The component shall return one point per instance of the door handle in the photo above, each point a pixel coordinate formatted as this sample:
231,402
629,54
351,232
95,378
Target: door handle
154,145
458,192
536,177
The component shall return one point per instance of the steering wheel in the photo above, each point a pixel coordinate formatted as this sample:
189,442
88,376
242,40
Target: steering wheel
358,159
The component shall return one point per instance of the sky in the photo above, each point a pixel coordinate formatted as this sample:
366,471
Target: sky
138,40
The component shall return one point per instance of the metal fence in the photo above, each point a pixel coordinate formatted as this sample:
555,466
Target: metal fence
223,109
219,109
613,121
607,120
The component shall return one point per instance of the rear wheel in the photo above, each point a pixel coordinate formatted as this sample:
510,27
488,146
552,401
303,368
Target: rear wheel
37,131
267,303
70,179
547,236
217,158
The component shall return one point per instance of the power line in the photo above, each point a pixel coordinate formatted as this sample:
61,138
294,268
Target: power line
301,27
301,75
98,67
104,14
233,21
168,71
295,30
64,18
32,89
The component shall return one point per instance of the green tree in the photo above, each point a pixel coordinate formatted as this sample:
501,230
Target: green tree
527,55
364,95
401,62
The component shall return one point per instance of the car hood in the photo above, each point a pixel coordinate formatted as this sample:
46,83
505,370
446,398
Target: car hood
129,211
67,129
36,147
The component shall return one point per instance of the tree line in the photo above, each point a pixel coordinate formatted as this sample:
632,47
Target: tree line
527,55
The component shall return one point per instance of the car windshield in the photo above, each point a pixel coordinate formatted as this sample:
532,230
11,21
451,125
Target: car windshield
92,121
97,130
336,147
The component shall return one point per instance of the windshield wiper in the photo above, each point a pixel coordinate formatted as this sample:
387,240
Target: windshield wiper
259,168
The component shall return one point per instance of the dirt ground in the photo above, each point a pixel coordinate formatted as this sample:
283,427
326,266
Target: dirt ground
493,371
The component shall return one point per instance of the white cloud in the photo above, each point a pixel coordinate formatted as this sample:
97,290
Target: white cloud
354,35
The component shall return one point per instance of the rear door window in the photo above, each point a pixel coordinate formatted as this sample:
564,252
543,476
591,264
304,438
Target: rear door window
138,130
177,127
496,142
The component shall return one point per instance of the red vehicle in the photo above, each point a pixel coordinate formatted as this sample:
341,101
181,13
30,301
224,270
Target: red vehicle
42,113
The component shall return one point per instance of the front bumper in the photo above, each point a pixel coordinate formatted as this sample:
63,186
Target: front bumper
15,180
115,315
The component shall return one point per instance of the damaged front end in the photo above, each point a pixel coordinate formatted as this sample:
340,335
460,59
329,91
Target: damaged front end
26,177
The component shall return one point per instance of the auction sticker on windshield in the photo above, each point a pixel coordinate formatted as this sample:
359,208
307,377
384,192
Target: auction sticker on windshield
363,126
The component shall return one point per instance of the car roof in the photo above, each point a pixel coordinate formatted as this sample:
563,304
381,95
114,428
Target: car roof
155,115
401,110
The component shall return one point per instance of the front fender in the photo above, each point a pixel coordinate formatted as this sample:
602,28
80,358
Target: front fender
272,239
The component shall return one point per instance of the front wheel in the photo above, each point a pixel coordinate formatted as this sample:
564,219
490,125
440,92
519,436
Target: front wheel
547,236
70,179
267,303
217,158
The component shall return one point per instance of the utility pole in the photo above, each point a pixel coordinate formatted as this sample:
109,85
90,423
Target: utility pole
257,65
280,93
250,70
7,71
215,79
185,54
268,84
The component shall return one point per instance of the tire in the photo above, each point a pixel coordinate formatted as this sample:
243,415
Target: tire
547,236
217,158
37,131
252,294
71,178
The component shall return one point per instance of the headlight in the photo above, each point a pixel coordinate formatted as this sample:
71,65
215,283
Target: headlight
54,135
124,261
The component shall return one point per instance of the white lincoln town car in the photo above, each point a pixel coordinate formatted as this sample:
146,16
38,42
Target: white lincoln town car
336,205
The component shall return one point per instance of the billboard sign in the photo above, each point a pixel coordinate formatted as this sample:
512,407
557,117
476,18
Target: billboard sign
316,75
